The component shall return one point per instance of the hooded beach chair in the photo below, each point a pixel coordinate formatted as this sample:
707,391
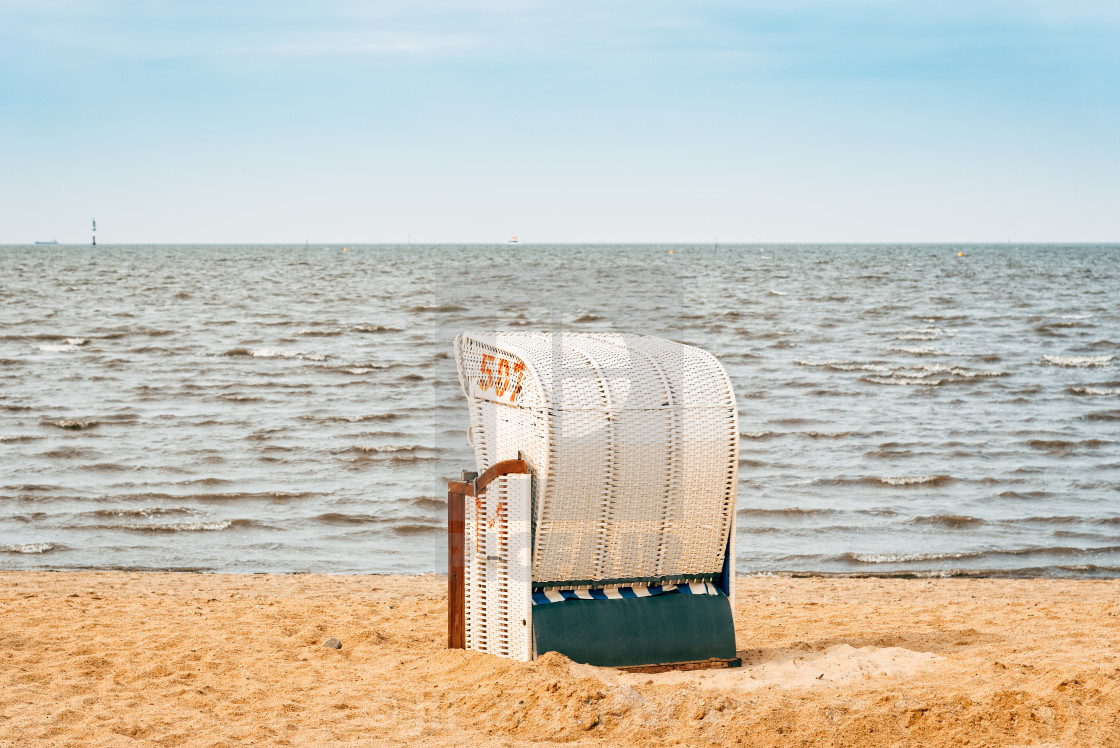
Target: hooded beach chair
600,522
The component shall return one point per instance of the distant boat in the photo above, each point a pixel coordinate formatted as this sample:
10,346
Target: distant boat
513,240
52,241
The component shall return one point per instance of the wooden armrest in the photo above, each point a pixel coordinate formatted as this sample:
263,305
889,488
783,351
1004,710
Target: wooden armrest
495,471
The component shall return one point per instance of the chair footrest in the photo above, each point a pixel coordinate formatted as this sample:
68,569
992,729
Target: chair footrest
709,664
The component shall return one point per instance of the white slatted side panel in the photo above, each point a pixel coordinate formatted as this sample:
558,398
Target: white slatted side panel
520,566
499,573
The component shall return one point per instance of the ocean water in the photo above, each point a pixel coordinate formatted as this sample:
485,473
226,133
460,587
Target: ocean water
295,408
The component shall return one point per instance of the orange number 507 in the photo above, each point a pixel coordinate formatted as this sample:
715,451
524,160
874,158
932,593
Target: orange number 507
503,380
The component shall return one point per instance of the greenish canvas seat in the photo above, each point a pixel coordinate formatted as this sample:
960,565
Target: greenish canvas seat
636,631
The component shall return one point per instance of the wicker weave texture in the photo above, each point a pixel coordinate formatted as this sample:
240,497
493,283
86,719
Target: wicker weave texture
632,441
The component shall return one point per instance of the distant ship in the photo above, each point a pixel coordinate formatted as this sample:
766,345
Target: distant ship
52,241
513,240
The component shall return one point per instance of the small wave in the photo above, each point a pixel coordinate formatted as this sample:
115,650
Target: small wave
376,329
441,308
71,344
415,529
904,558
33,488
921,480
68,453
1093,390
143,511
1062,520
428,502
1061,446
17,438
963,373
148,349
108,467
924,333
845,366
411,458
903,382
757,434
588,318
209,480
828,434
358,368
217,498
1051,445
1065,324
774,292
388,449
30,517
172,527
275,353
1027,495
791,512
73,424
889,453
312,333
901,558
34,336
1077,362
28,548
922,350
338,518
355,419
919,374
950,520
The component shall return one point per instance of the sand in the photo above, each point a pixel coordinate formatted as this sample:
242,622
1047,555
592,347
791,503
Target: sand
144,659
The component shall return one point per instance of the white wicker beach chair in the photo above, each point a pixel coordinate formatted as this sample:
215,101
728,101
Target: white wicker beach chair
602,525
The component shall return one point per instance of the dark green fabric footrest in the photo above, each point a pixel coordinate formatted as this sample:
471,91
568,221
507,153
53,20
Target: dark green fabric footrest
636,631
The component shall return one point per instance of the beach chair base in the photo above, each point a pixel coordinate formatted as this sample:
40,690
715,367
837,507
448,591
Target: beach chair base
660,631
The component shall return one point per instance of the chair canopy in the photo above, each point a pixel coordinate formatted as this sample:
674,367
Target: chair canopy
632,442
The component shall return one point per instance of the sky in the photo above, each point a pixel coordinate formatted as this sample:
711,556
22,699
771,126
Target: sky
339,121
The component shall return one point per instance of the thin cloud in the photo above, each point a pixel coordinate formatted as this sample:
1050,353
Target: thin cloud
320,47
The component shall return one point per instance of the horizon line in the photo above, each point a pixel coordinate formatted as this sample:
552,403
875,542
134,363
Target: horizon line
704,243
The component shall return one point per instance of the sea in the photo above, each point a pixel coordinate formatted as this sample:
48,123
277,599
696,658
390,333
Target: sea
905,410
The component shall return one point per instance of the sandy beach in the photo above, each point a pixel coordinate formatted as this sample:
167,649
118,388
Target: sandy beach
122,659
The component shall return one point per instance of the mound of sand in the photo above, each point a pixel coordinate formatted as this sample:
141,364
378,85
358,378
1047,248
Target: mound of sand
112,659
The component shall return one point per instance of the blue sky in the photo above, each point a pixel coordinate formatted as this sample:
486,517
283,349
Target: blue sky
776,120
